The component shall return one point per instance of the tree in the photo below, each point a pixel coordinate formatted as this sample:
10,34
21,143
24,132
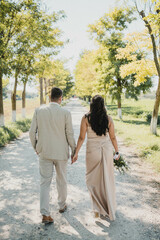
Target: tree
28,46
52,73
27,75
24,23
145,45
44,68
108,32
10,22
60,77
85,74
68,91
150,14
107,83
5,87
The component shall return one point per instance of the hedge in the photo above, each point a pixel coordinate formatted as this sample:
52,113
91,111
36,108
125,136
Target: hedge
13,131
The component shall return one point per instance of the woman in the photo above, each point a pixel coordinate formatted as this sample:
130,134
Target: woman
99,157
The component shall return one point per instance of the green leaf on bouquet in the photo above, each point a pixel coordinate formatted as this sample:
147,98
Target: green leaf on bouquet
121,165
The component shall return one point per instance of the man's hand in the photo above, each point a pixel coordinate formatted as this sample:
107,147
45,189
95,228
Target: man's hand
74,158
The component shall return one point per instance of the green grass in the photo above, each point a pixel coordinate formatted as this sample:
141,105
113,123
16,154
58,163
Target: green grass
148,145
134,128
13,131
31,104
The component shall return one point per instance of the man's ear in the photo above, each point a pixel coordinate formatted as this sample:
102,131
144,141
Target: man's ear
61,98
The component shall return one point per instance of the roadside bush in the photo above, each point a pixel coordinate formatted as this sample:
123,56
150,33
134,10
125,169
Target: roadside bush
23,125
139,112
13,131
155,147
3,137
149,116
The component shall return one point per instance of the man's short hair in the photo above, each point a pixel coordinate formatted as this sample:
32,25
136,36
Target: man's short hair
56,93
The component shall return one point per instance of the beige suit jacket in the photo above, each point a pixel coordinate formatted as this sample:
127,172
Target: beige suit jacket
53,125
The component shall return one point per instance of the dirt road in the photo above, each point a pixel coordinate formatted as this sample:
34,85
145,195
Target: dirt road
138,197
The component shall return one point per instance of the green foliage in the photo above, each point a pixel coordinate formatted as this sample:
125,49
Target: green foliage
68,90
134,129
108,32
23,125
121,165
12,131
155,147
85,74
26,32
5,87
8,133
149,117
57,75
98,71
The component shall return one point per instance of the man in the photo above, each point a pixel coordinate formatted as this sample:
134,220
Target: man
53,124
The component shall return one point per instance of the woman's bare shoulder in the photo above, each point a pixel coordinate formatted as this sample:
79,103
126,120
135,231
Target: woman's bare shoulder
110,120
85,118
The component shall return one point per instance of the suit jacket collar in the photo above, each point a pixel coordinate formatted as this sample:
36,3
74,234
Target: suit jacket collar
54,104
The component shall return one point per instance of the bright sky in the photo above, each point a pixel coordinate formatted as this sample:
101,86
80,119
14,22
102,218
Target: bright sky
80,13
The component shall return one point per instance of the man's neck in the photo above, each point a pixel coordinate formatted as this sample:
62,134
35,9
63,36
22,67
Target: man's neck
55,102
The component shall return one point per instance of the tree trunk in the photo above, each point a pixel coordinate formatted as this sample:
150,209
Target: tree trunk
119,98
1,101
105,99
13,98
41,90
45,90
153,126
24,100
119,108
105,94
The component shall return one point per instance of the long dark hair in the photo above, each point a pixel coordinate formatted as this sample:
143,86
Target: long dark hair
98,118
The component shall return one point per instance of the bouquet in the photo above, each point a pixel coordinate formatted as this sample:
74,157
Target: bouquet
121,165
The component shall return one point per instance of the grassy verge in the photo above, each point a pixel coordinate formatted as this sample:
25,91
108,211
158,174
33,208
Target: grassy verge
134,128
31,104
13,130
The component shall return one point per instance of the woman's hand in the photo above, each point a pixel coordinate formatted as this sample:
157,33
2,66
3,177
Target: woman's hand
74,158
117,156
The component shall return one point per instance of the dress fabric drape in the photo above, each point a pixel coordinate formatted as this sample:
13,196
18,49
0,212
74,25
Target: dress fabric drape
100,173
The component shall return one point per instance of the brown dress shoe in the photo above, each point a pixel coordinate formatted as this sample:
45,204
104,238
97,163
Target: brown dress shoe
63,209
47,219
96,215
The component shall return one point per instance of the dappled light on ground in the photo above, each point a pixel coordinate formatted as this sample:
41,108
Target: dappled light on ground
137,215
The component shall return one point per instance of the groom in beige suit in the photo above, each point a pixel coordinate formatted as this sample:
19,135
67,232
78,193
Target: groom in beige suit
53,125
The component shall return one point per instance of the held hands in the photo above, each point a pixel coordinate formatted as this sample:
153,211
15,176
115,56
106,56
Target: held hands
74,158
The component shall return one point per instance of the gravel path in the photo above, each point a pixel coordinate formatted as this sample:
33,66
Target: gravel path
138,198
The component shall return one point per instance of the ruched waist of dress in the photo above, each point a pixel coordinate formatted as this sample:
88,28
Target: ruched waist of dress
98,139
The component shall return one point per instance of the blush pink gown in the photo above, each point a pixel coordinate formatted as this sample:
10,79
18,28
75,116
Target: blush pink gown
100,173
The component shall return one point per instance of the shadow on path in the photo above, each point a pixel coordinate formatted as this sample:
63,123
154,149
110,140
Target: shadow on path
137,215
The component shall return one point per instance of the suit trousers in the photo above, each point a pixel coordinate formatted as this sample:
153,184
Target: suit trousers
46,168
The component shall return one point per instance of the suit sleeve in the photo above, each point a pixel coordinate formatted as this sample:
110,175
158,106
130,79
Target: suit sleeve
33,130
70,133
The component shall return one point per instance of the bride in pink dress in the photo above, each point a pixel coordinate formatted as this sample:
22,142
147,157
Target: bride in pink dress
99,157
